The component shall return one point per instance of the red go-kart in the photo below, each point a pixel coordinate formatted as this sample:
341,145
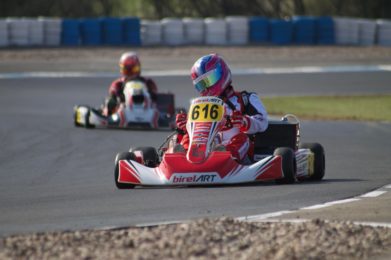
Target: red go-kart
278,155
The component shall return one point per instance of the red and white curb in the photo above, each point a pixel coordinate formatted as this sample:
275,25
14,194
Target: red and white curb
268,217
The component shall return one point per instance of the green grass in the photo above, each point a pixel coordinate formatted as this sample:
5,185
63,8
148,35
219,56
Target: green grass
365,108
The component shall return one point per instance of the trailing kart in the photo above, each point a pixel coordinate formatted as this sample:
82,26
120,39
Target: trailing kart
138,111
278,155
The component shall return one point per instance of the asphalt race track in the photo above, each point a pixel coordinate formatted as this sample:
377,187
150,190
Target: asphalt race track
56,176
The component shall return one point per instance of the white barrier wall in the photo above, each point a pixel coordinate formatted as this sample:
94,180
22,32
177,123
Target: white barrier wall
18,32
384,32
172,31
151,32
215,31
52,31
346,31
367,31
194,30
232,30
36,32
238,29
4,33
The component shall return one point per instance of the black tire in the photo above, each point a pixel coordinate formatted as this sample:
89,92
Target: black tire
88,125
150,156
320,160
122,156
288,165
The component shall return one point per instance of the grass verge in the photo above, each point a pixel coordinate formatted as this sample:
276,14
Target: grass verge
363,108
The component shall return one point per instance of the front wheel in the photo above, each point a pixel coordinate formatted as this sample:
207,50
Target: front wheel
319,160
122,156
288,165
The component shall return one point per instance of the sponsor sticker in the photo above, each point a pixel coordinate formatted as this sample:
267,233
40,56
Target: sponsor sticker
194,178
305,163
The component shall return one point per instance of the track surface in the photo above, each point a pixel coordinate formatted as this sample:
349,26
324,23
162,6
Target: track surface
55,176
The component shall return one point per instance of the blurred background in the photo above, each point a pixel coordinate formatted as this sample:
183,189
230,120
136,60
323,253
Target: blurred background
194,22
157,9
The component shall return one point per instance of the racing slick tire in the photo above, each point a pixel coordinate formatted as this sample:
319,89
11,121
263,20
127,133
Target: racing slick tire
319,162
122,156
86,116
288,165
149,154
88,124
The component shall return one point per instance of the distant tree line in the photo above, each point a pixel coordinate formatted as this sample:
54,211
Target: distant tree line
157,9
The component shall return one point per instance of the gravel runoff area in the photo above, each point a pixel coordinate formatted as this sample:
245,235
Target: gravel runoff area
223,238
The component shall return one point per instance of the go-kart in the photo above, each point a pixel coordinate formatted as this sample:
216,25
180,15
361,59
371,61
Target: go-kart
138,111
278,155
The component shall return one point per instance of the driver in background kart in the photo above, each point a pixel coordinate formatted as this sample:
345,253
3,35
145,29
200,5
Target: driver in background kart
130,69
212,77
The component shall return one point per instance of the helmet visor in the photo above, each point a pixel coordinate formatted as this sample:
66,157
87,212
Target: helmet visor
208,79
129,69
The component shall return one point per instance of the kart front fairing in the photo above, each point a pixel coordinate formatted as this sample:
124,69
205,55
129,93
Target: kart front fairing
219,168
201,163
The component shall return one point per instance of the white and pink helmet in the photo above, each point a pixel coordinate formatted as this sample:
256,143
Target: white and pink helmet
211,75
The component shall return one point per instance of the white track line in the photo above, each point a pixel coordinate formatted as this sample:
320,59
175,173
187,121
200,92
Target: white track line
267,216
328,204
302,220
291,70
264,216
373,224
373,194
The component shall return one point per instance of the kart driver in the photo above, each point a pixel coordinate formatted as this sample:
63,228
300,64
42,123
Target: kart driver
212,77
130,69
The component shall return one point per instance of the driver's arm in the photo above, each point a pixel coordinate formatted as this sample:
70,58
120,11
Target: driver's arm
257,117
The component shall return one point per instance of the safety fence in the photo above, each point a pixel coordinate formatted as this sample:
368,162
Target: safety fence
234,30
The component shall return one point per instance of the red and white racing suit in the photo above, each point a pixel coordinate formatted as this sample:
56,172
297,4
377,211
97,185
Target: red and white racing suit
236,139
117,86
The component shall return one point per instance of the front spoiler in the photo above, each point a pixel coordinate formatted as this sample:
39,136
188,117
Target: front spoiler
219,168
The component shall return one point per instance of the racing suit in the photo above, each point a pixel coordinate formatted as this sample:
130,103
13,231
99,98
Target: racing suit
235,139
116,91
117,86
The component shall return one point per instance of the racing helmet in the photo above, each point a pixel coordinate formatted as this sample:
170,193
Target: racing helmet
211,75
129,65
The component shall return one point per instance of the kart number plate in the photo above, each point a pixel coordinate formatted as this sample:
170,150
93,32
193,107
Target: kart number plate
206,112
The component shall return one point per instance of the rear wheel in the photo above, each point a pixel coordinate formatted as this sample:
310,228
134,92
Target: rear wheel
288,165
319,160
149,154
122,156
